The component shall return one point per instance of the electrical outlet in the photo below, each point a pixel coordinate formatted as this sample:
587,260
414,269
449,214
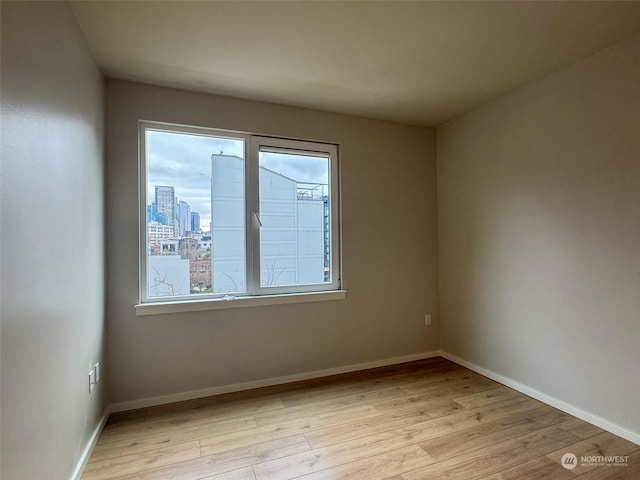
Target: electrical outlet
92,380
96,369
427,320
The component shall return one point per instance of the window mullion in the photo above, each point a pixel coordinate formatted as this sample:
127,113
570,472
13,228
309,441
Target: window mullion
253,208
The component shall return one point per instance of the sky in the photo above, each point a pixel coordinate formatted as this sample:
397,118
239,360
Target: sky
184,161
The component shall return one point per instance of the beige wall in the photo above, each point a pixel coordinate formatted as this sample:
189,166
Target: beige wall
539,234
52,240
389,250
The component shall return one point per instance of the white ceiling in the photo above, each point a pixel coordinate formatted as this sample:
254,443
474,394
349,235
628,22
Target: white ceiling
413,62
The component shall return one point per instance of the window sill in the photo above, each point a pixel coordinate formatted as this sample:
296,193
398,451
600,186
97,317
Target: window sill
220,303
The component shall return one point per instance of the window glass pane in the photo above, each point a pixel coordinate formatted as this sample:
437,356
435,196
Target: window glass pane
295,235
195,214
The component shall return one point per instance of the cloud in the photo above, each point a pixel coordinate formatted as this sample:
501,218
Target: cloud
184,162
298,167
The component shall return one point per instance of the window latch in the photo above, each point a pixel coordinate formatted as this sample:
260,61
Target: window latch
258,218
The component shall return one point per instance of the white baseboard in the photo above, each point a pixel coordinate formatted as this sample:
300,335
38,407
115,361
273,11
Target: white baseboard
86,453
268,382
596,420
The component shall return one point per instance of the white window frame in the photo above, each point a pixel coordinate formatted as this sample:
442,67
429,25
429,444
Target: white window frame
255,294
323,150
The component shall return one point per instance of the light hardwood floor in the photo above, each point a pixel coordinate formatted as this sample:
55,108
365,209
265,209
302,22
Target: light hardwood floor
422,420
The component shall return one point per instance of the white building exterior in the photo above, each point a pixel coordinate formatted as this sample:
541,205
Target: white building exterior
291,236
167,276
156,232
227,224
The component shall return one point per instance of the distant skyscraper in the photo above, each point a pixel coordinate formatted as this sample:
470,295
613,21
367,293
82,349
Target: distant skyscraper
152,214
195,222
166,204
184,218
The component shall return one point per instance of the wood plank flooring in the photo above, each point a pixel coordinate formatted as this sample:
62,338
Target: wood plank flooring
430,419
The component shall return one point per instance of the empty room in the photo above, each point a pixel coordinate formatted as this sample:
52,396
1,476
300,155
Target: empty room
320,240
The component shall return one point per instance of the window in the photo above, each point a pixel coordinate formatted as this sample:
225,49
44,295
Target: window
232,215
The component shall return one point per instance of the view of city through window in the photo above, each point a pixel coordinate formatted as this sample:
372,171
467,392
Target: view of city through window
196,216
